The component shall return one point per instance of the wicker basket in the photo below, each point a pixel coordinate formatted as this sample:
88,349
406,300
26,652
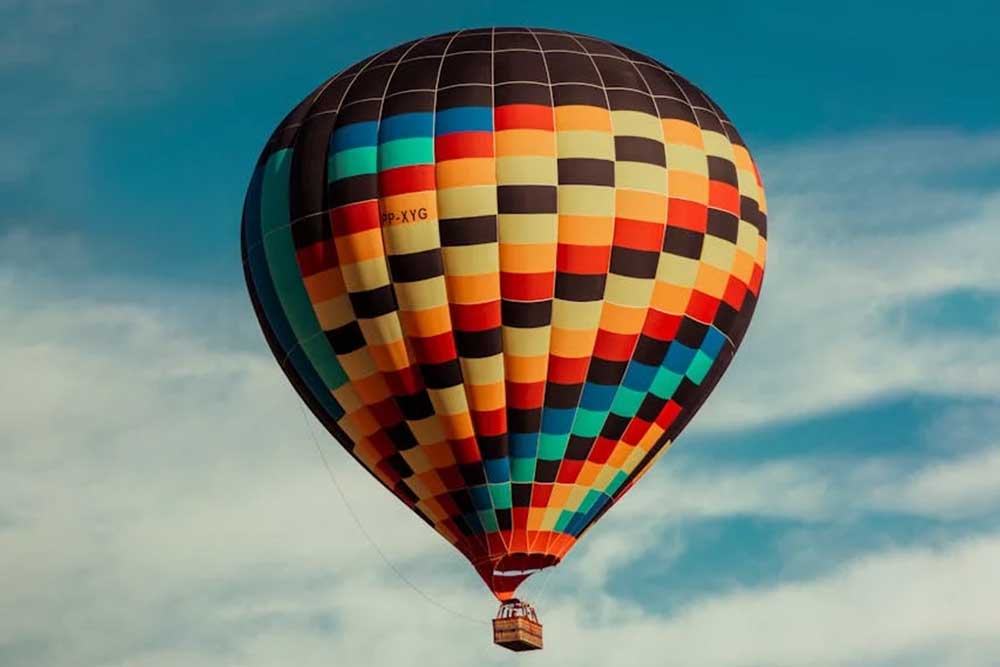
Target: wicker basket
516,627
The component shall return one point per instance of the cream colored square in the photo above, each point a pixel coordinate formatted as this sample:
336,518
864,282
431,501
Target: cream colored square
471,260
528,228
746,237
592,200
604,477
585,143
718,252
366,275
718,144
551,516
576,496
449,401
357,364
484,370
527,170
525,342
347,397
421,294
677,270
682,157
748,184
640,176
636,124
628,291
579,315
338,311
467,201
414,237
427,431
382,329
417,459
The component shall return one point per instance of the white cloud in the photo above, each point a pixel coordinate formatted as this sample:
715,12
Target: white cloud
860,229
162,504
912,607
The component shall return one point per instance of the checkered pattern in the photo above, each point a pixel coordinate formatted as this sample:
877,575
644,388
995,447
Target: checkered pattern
505,267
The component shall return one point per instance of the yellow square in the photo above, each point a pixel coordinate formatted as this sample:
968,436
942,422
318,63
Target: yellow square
717,252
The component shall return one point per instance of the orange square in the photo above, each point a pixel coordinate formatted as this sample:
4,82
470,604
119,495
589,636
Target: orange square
440,456
711,281
688,186
426,323
560,494
465,172
366,452
473,289
325,285
390,356
636,205
484,397
669,298
589,473
525,369
456,427
682,132
622,319
360,246
582,117
527,257
586,230
371,389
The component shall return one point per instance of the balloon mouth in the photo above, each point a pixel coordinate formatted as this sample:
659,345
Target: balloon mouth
504,574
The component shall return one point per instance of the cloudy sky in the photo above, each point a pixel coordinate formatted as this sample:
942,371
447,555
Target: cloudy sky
836,502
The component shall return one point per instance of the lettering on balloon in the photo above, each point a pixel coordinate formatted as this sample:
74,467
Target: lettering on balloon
404,215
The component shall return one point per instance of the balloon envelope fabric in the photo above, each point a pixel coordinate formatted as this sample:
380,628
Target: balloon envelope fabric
505,267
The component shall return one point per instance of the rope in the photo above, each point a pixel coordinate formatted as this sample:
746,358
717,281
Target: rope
545,583
371,540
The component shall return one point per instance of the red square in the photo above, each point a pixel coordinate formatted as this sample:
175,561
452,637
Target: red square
636,429
735,291
466,450
638,235
687,215
475,316
434,349
316,257
569,471
458,145
527,286
668,414
354,218
522,117
403,382
490,422
602,449
614,346
724,197
661,326
414,178
756,278
702,307
540,495
583,259
567,370
525,395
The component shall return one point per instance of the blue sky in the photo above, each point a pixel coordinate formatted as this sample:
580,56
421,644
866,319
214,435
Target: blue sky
835,503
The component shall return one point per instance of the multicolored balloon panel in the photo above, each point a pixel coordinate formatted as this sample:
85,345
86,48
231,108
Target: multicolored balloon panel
505,267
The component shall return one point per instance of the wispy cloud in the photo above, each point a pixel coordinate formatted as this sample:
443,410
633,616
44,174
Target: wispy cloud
162,504
862,229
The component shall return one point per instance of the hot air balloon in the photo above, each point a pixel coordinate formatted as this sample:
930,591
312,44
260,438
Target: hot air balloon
505,267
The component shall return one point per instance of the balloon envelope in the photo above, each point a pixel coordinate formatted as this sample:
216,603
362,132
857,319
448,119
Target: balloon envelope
505,267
